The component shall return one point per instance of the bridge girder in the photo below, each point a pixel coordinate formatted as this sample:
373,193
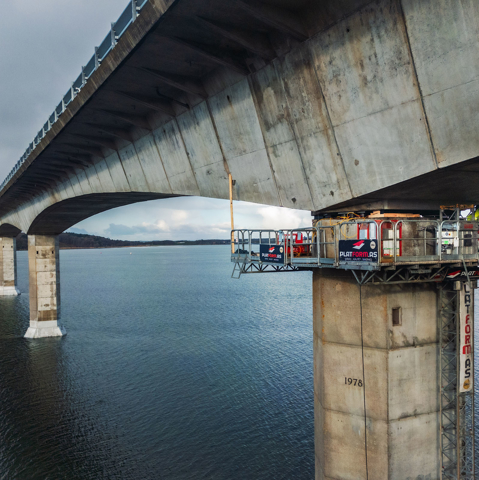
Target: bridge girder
285,95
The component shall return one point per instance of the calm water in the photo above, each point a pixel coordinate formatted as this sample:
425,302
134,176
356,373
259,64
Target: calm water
170,370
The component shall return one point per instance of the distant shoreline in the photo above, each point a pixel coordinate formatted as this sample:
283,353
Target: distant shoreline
147,245
80,241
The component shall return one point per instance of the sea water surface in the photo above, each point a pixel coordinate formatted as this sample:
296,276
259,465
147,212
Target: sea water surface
170,370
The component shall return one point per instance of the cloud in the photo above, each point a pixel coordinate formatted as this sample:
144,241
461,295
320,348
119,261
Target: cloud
287,218
189,218
170,232
115,230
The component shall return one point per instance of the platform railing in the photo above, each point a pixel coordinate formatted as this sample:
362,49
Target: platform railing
408,241
415,241
316,246
118,28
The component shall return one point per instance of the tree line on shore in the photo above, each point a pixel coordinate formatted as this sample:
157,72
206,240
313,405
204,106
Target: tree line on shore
80,240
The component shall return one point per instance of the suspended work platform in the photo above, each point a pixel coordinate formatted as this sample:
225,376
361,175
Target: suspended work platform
379,248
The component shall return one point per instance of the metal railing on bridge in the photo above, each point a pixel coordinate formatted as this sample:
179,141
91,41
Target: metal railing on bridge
118,28
360,244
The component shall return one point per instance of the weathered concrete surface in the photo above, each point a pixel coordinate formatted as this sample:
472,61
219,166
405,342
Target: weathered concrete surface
388,428
44,278
8,267
357,104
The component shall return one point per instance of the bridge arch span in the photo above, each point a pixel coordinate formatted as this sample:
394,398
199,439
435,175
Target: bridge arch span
64,214
9,230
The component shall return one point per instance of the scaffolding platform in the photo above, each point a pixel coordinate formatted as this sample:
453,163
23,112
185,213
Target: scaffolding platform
392,249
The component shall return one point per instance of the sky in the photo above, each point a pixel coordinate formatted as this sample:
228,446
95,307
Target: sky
44,44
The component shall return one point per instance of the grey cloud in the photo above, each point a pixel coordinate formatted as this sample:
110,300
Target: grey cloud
44,44
123,230
206,231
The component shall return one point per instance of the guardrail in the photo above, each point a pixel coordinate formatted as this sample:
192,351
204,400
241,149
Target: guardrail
118,28
418,241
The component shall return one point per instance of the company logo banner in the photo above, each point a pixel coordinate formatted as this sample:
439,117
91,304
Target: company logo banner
466,340
358,251
271,253
460,273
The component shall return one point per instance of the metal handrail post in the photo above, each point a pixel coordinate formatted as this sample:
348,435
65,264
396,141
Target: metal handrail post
425,242
286,240
97,59
285,246
318,246
439,241
457,231
113,35
134,9
336,239
395,240
380,242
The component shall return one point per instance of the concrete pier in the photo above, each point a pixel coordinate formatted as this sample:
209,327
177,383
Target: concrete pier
8,267
44,277
376,377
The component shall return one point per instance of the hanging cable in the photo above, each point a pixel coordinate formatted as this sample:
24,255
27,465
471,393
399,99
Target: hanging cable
364,382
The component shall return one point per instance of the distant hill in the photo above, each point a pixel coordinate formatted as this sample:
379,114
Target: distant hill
80,240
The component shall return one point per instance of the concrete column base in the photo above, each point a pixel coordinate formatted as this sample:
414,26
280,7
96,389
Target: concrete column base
45,329
8,267
9,291
376,379
44,274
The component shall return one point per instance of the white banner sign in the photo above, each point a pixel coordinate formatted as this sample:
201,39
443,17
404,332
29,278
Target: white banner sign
466,321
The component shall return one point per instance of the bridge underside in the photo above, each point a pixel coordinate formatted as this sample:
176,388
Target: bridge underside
449,186
61,216
310,105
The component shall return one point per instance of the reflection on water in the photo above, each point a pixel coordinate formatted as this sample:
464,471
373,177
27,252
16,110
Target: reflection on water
170,370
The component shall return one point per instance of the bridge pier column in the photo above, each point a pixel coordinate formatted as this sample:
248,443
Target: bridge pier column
44,277
8,267
376,384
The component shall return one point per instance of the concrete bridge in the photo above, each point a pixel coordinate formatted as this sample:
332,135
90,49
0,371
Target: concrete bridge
324,106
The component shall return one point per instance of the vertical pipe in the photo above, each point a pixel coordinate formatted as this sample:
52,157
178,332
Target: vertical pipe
461,423
230,178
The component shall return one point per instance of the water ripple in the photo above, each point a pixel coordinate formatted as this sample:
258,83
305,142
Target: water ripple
170,371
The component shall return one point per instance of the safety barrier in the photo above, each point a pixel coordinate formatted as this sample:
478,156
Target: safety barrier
361,243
